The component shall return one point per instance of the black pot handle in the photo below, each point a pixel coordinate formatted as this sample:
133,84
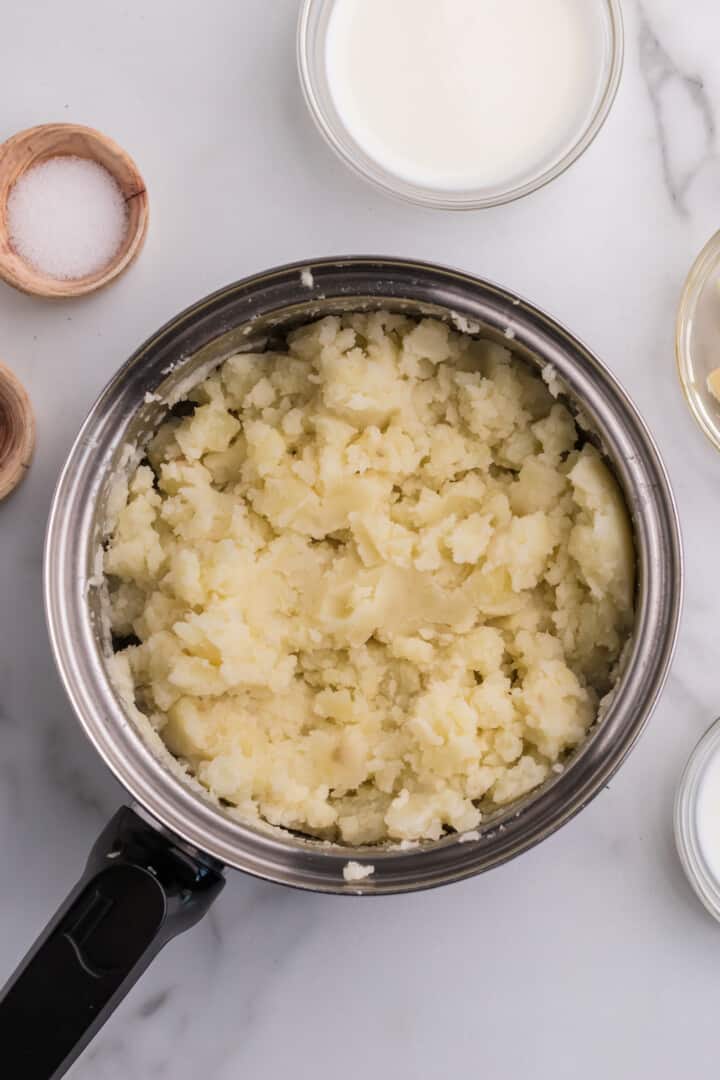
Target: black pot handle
138,891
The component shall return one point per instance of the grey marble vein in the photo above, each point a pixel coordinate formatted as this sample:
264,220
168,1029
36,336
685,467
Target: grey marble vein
153,1004
683,112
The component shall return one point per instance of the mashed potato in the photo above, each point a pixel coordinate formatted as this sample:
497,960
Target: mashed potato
376,584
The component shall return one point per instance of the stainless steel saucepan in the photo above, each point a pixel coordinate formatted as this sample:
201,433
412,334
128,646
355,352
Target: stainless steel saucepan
158,865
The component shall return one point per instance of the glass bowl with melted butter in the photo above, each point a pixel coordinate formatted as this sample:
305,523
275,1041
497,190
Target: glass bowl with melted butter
697,340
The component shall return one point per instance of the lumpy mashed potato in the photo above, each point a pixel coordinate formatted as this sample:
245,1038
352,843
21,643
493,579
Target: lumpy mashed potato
378,585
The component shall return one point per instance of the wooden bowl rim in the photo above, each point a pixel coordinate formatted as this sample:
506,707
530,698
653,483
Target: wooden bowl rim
16,271
16,456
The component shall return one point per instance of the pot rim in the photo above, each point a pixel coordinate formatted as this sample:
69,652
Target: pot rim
300,291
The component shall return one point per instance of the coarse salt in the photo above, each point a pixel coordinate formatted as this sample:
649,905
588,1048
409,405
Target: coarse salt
67,217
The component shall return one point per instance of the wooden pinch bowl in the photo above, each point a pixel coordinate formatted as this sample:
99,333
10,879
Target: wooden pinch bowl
17,431
37,144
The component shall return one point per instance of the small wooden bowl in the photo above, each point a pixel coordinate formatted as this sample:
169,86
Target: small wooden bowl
17,431
37,144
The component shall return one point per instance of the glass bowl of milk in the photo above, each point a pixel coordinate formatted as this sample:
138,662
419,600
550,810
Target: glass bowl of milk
460,104
697,820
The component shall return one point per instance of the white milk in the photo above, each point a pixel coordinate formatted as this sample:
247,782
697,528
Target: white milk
465,94
708,815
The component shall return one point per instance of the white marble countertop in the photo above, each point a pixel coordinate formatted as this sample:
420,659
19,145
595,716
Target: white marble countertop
589,956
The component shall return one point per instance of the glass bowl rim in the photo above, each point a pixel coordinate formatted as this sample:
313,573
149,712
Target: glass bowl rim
705,885
439,198
707,261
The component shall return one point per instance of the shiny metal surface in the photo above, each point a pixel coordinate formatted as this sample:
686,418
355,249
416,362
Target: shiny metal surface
245,315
